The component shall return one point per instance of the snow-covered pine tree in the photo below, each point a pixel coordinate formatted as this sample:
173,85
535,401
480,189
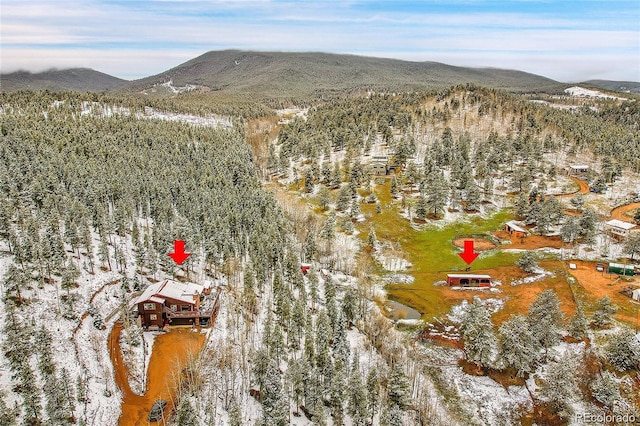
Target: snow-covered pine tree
274,405
518,347
578,324
186,414
398,387
545,319
604,312
605,389
373,393
480,343
357,397
558,387
623,350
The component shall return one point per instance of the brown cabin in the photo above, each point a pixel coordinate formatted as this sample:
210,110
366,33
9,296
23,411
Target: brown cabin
515,230
174,303
468,280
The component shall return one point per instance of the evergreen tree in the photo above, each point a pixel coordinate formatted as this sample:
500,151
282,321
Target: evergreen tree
340,346
480,343
58,405
8,416
349,306
373,393
357,404
545,319
69,276
632,245
436,192
588,225
472,197
578,324
487,188
398,387
295,381
371,237
324,197
392,415
605,389
623,350
45,359
336,176
522,206
604,312
394,186
518,346
421,208
185,414
338,394
235,415
577,202
30,393
558,387
14,281
308,182
274,406
527,261
570,230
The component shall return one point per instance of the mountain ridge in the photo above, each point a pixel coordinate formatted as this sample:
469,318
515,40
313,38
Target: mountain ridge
294,74
306,72
73,79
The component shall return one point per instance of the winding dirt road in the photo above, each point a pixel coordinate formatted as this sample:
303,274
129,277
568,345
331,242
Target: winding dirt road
169,351
619,212
583,188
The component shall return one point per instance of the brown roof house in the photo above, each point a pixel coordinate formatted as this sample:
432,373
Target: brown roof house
176,303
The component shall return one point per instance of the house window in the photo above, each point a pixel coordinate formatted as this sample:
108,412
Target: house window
153,317
149,306
185,308
174,307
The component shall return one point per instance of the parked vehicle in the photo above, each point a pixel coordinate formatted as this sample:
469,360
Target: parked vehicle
157,410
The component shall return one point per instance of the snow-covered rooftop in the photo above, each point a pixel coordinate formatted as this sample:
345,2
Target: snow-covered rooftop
183,292
516,227
620,224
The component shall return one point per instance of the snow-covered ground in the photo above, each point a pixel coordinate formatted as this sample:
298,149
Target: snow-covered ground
582,92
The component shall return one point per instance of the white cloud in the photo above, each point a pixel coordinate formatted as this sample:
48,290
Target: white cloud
132,39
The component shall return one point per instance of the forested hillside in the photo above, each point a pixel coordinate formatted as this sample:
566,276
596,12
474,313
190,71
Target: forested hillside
93,197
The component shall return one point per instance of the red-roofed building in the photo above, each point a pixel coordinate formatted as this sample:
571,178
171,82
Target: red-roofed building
468,280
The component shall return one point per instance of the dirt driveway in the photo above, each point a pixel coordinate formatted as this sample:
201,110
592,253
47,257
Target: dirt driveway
169,351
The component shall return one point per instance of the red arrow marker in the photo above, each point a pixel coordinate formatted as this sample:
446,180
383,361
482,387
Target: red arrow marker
178,255
468,255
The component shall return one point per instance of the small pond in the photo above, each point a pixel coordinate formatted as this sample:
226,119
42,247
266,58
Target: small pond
399,311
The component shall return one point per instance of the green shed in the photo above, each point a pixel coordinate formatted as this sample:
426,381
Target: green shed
621,269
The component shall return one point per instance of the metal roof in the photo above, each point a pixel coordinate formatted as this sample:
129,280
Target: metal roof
620,224
183,292
513,225
468,276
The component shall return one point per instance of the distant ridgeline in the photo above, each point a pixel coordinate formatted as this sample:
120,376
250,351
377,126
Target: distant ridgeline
198,184
525,128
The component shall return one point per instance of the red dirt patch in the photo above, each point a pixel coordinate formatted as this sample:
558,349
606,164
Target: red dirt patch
531,242
170,350
479,244
620,212
599,284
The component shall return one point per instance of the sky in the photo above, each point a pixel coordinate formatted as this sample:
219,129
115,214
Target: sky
565,40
